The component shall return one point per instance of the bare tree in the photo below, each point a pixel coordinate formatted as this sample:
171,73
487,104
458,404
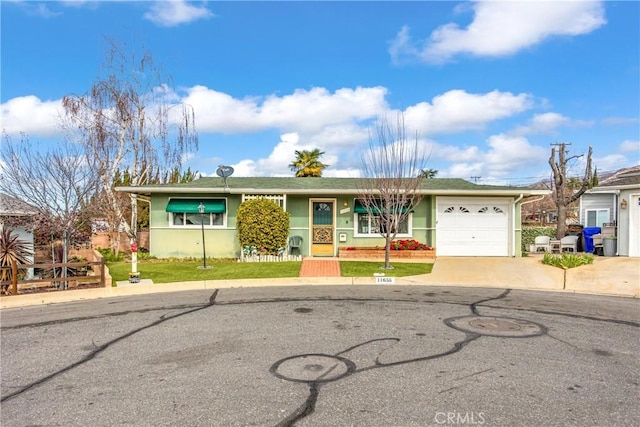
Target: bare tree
58,181
128,120
392,175
565,190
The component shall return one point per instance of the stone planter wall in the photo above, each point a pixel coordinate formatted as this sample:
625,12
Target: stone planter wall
376,253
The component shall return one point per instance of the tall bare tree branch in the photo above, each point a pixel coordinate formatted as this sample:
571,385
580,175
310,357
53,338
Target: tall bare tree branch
392,169
566,190
59,181
128,121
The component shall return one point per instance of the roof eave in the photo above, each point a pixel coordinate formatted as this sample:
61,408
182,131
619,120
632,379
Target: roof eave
614,188
324,191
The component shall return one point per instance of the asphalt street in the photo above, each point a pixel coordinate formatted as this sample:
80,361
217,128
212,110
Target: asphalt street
324,356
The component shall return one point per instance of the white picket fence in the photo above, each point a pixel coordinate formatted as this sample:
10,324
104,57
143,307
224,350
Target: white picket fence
268,258
252,254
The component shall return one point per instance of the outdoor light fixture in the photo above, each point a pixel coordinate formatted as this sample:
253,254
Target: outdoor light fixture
201,208
623,204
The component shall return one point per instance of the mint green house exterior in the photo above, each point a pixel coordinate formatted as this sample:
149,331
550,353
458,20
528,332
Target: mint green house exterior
455,216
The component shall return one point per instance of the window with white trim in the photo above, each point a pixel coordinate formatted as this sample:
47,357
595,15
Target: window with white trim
596,217
180,219
367,221
367,224
186,212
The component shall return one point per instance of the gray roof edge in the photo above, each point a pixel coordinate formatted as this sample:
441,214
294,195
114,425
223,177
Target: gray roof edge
324,191
613,188
12,206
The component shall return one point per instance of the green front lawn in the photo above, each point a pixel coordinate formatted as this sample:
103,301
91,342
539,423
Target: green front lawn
168,271
368,268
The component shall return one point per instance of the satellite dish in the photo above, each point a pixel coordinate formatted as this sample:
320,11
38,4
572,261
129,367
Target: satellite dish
224,172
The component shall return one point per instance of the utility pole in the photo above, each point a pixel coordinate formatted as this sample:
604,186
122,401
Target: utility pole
475,178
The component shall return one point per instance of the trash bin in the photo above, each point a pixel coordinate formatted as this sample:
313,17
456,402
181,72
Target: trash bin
588,237
576,230
609,246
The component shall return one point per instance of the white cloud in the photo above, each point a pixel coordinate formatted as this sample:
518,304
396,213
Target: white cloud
509,154
31,115
611,162
457,111
170,13
621,120
629,146
277,163
303,110
40,9
503,28
544,123
505,155
452,153
548,124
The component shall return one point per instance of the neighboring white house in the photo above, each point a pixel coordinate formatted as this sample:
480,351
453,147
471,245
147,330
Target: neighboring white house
12,207
616,201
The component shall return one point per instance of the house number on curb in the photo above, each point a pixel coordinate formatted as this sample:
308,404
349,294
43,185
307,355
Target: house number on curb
385,280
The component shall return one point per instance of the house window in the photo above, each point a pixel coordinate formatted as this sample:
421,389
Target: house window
186,219
186,213
368,222
597,217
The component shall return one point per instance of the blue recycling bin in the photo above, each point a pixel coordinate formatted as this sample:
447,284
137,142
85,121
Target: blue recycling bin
589,232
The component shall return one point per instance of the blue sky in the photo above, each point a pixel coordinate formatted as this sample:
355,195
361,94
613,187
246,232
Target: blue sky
486,86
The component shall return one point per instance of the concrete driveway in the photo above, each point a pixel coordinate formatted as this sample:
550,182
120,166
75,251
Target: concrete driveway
324,356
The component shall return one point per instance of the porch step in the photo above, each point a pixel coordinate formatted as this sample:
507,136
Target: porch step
320,267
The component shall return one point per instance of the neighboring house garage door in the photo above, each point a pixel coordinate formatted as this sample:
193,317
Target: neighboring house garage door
472,226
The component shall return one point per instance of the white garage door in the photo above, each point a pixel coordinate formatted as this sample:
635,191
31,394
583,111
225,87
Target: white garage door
472,226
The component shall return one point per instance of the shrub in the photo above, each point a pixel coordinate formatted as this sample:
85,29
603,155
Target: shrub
567,260
264,224
110,256
408,245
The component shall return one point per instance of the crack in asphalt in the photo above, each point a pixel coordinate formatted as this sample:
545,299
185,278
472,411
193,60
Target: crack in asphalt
308,406
572,315
321,299
103,347
474,308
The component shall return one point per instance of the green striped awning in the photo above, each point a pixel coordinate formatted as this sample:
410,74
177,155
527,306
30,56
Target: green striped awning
191,205
360,208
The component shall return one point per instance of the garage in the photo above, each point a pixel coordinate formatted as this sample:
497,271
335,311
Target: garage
472,226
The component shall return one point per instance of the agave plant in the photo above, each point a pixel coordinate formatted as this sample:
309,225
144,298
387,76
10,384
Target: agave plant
12,249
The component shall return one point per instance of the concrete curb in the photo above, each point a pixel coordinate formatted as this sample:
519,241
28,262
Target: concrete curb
614,276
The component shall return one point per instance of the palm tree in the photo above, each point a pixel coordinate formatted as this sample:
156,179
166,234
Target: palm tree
12,250
429,173
308,164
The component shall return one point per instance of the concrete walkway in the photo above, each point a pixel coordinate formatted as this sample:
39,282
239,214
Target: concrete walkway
617,276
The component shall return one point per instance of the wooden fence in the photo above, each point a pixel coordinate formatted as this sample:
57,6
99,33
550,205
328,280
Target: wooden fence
98,276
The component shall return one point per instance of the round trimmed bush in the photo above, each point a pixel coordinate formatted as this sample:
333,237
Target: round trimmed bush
262,223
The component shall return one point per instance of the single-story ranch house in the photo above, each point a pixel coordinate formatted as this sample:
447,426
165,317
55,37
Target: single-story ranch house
455,216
